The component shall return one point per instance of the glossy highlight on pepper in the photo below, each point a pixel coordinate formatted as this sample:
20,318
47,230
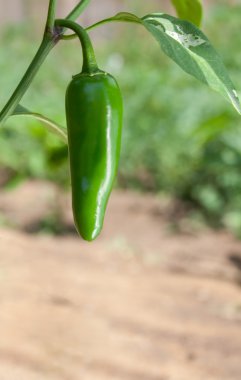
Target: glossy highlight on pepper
94,122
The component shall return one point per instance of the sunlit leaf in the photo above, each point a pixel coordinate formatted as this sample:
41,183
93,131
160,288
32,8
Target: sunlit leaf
51,125
188,46
190,10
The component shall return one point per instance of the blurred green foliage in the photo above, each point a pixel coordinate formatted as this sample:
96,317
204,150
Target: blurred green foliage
179,137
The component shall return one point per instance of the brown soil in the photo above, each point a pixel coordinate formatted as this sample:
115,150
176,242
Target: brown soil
139,303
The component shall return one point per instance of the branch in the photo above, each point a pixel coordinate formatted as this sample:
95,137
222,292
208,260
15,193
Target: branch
46,46
51,15
50,39
76,12
25,82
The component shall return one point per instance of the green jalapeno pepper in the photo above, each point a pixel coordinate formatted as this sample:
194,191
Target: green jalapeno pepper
94,123
94,116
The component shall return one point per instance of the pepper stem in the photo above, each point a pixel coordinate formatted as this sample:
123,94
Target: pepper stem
89,61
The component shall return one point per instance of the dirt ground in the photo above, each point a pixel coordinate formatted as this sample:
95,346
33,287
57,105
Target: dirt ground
140,303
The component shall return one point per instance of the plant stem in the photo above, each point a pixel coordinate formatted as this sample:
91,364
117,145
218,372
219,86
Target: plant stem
48,42
89,60
51,37
44,49
90,27
99,23
76,12
51,16
102,22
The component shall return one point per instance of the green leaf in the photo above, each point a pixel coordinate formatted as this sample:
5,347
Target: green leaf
126,16
190,10
49,124
122,16
185,44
